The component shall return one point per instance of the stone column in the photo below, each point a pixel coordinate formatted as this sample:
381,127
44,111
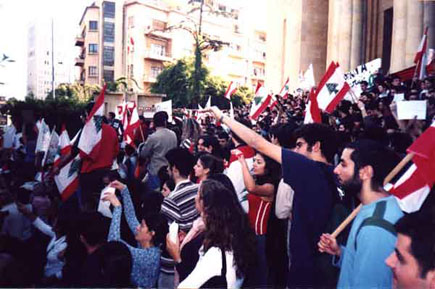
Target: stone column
414,29
345,34
357,33
429,21
399,36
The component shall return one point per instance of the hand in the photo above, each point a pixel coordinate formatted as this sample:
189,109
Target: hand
239,155
215,110
173,248
112,198
361,105
181,236
329,245
117,185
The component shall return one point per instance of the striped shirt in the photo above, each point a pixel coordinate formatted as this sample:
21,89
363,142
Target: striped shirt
259,211
179,207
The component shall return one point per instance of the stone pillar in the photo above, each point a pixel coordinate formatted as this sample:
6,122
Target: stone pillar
333,31
429,21
414,29
345,34
357,33
399,36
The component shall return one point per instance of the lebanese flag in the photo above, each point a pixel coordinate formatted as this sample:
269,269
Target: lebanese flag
43,140
64,146
420,58
67,181
230,90
260,102
332,88
312,112
131,123
285,89
424,149
273,102
410,189
90,139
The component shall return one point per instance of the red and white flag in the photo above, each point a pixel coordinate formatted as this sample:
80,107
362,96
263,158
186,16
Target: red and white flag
90,139
230,90
67,181
285,89
64,146
420,58
260,102
411,189
332,88
312,112
131,122
424,149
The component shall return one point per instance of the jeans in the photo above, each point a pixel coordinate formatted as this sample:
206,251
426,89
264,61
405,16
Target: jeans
165,281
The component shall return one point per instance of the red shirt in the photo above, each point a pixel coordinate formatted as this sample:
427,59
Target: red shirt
108,150
259,211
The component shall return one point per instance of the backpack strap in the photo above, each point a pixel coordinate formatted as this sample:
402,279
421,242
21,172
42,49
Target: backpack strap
377,220
224,264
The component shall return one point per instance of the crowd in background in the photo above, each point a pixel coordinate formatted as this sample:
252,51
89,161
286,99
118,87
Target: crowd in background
251,209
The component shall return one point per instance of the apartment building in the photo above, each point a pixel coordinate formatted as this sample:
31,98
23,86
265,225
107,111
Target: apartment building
131,38
39,58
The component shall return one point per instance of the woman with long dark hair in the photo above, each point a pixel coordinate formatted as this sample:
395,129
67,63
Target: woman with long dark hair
261,186
207,165
228,252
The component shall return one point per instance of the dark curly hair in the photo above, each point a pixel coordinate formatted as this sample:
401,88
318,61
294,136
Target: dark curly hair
227,226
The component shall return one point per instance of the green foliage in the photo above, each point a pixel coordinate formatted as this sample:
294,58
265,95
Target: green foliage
177,79
62,110
75,92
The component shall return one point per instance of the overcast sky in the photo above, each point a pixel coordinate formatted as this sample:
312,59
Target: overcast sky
15,16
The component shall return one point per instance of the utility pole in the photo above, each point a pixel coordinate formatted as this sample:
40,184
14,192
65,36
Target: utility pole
52,60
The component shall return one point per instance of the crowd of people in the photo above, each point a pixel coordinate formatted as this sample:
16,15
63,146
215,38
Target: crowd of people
213,201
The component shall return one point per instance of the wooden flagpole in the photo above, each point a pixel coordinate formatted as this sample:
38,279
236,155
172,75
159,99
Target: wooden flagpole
387,179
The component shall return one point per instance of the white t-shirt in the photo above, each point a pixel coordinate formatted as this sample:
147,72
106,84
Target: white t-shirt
210,265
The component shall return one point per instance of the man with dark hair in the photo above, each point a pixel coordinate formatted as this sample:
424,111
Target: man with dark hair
179,205
413,259
115,123
361,172
308,171
156,147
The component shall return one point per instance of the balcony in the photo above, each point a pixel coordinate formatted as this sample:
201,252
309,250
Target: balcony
258,76
149,54
79,61
157,33
147,78
80,41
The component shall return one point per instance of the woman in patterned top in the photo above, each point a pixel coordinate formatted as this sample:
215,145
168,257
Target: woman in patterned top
150,234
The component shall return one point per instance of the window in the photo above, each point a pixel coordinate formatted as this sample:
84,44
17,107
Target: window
109,32
158,49
131,71
93,71
108,9
130,21
93,25
108,75
108,55
93,48
155,71
159,25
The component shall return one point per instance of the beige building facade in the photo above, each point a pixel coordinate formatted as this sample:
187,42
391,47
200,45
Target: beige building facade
351,32
143,44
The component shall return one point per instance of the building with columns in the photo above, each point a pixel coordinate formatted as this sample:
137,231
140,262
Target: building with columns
351,32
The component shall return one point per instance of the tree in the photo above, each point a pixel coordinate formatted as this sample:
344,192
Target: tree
177,82
75,91
202,42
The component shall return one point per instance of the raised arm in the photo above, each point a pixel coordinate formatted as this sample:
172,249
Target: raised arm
265,190
115,225
129,212
250,137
